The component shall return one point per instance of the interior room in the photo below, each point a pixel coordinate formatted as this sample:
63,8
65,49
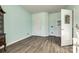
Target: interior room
39,28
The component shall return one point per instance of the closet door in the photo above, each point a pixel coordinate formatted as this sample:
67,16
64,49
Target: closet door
36,25
66,27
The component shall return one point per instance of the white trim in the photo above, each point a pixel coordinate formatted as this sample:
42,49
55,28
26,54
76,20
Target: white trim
40,35
74,45
74,34
18,40
66,42
43,35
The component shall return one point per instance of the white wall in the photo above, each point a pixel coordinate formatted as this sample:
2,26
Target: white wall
40,24
53,18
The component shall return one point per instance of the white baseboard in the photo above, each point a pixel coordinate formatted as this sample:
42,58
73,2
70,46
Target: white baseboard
44,35
40,35
66,42
16,41
19,40
74,40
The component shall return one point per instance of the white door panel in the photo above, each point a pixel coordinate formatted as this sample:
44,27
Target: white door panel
36,25
66,28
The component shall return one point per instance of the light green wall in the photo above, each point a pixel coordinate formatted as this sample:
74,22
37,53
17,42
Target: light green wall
53,18
75,9
17,23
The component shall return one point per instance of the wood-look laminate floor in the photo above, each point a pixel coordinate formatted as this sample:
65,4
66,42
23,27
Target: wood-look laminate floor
37,44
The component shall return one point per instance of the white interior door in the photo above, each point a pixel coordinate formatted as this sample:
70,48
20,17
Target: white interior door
66,27
36,27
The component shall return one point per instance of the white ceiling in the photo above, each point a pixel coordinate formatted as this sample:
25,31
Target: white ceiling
43,8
